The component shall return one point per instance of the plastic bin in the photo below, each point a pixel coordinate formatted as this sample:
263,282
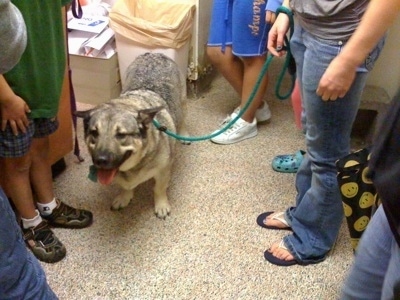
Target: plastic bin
163,26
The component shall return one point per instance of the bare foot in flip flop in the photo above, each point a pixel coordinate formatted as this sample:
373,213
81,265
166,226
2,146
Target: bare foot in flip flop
279,255
273,220
277,219
280,251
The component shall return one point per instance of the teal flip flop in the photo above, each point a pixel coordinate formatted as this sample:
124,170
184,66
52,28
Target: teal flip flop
288,163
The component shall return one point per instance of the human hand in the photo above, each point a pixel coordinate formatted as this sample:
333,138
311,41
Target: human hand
13,111
336,80
277,33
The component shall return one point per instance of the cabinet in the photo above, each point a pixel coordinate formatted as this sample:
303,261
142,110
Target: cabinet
95,80
61,142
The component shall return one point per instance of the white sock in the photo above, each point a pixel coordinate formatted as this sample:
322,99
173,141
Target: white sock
47,209
27,223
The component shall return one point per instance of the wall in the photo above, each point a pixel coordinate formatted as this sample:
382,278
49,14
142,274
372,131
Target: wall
197,59
386,72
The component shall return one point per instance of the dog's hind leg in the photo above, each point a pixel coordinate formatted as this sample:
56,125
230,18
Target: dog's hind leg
162,207
122,200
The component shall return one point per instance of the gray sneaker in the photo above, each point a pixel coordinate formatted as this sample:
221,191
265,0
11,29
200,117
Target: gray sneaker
43,243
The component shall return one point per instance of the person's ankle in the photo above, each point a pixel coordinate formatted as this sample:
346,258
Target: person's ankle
261,105
247,119
46,209
32,222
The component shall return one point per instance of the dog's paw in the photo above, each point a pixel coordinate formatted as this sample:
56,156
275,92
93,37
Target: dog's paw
162,210
120,202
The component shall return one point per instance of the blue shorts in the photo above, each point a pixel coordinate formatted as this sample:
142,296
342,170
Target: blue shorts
241,25
18,145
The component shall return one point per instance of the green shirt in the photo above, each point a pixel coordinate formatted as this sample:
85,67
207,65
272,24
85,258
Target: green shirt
39,75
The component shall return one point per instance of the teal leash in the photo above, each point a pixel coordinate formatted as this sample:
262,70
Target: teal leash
288,65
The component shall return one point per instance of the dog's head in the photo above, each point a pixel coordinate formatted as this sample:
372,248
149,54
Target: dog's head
114,134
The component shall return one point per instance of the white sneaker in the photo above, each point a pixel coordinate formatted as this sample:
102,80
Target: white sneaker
238,132
263,114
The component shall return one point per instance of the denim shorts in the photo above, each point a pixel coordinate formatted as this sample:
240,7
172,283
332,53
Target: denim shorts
241,25
18,145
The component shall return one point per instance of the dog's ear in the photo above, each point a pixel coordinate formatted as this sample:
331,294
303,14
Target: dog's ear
145,116
85,114
82,113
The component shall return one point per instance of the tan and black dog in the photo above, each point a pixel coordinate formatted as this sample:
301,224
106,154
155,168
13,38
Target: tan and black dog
126,148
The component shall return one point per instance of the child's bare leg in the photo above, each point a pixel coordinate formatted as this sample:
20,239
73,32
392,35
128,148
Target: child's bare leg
40,173
16,183
252,69
229,65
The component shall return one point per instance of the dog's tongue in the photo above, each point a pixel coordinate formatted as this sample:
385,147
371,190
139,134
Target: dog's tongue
106,176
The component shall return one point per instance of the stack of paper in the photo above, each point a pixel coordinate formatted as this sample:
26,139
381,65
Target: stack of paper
91,36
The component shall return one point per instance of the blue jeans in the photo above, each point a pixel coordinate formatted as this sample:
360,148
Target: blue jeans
318,213
375,273
21,275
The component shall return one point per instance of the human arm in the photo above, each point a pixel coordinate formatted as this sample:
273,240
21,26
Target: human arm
13,108
270,8
339,75
12,45
277,33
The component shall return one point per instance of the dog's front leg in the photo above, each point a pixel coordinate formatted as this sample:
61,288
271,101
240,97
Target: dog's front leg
122,200
184,132
161,204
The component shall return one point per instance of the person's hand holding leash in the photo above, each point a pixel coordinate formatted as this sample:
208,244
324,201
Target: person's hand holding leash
277,33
